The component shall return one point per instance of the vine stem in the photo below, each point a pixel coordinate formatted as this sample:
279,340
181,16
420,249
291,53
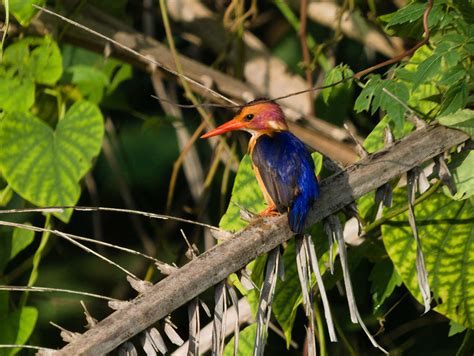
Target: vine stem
37,259
319,323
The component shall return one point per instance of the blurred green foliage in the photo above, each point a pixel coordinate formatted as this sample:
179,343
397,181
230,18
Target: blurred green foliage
55,145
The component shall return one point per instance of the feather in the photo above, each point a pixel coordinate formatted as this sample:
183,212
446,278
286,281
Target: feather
285,171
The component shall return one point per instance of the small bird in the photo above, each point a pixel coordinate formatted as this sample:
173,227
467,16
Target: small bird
282,164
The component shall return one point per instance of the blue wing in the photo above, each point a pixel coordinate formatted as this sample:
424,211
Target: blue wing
287,171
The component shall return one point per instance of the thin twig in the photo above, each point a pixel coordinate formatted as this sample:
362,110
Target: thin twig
32,347
70,239
54,290
103,208
82,238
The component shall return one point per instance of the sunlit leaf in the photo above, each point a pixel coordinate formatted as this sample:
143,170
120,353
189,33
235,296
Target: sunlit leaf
454,99
43,165
23,9
463,176
462,120
288,293
335,75
45,63
20,240
16,94
445,228
245,193
427,69
246,342
375,140
91,81
364,99
409,13
455,328
17,54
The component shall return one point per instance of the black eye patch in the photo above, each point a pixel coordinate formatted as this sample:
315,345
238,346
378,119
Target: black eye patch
248,117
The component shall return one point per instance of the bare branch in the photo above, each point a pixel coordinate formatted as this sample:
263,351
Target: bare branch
259,237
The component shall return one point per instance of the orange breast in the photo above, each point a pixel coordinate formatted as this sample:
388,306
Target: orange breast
264,190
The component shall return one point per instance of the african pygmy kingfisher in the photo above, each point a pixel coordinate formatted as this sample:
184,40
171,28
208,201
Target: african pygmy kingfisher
282,164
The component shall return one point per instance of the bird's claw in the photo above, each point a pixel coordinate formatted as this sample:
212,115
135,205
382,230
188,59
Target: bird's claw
270,211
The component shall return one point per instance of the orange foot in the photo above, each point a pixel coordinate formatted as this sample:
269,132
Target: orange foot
270,211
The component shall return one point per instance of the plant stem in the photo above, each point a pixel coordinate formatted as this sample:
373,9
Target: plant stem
344,339
295,23
37,259
322,337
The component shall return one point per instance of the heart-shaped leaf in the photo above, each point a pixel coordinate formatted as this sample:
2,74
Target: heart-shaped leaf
43,165
445,227
16,94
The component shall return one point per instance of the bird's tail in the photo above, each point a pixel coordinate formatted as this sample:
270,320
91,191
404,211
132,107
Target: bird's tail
297,214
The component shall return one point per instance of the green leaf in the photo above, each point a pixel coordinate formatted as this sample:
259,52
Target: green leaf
453,75
445,227
335,75
16,94
43,165
375,140
364,99
287,293
463,177
20,240
23,9
427,69
384,279
409,13
394,108
420,96
17,54
246,342
462,120
318,162
46,63
413,13
373,96
91,81
16,328
454,99
455,328
123,73
246,193
5,195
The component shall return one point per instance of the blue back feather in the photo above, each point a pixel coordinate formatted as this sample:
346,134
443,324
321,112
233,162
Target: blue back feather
287,171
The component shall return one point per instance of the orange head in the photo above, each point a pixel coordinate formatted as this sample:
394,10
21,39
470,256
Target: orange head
257,117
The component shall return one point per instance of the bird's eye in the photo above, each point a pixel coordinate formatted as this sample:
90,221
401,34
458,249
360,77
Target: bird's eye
248,117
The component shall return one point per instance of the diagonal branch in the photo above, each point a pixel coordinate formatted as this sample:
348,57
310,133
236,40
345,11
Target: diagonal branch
259,237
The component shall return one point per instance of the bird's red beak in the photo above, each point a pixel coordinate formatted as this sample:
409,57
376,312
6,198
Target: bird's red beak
232,125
